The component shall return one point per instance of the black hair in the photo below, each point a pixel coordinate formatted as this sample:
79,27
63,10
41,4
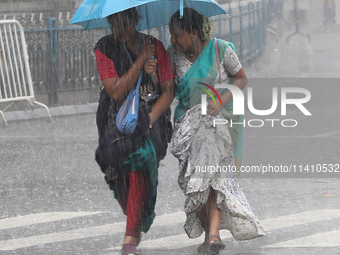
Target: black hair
191,20
131,14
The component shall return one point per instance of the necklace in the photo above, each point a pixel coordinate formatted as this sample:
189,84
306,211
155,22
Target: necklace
194,54
197,53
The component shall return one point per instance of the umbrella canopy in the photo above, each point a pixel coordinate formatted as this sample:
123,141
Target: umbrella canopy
154,13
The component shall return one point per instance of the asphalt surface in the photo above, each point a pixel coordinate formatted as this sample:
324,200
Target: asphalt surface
54,199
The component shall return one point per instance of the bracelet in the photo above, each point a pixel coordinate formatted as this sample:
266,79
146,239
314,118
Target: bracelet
140,69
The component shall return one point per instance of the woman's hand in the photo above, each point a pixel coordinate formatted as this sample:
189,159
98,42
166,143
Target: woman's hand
147,132
213,109
150,66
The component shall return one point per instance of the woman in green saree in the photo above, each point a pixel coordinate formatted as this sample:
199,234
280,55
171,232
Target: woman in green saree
214,199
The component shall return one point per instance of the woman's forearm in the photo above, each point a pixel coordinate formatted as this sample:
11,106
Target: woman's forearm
239,80
164,101
118,88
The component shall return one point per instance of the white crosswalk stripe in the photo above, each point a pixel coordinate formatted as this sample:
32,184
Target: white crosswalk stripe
299,219
108,229
27,220
181,241
61,236
329,239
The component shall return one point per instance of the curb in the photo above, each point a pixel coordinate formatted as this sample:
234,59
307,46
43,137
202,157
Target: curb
60,111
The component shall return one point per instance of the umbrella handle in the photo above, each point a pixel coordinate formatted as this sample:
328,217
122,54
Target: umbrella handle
152,41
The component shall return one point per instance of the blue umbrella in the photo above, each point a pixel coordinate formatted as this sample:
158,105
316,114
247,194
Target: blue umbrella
154,13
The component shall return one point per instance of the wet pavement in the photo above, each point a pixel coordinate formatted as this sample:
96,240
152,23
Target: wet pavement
54,199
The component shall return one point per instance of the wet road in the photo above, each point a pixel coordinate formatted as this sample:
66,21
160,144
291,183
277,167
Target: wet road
54,199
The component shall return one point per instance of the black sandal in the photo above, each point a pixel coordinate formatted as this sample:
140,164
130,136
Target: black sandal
203,248
215,246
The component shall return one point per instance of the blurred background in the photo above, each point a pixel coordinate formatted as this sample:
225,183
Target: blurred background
61,56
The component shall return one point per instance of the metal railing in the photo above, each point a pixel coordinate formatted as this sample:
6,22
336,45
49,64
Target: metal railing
245,28
62,58
15,75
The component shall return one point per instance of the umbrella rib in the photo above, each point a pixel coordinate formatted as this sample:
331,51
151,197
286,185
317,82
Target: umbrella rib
93,6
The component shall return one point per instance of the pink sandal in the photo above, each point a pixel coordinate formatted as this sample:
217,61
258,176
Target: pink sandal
129,249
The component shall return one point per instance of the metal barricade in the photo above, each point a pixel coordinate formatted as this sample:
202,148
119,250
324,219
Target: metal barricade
15,75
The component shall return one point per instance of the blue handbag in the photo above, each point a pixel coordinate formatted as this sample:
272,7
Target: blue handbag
126,120
127,116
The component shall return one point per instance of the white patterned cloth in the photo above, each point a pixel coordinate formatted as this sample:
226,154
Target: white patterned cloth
181,64
194,136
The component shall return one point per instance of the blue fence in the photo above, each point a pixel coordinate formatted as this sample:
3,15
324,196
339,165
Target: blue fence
245,28
62,58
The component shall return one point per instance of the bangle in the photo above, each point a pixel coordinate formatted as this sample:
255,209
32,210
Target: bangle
149,120
140,69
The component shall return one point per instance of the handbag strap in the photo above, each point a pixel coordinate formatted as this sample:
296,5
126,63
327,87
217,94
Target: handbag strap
218,60
218,63
139,81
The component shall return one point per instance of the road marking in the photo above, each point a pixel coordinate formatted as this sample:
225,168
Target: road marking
299,219
61,236
333,135
27,220
169,242
328,239
181,241
47,136
109,229
328,134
